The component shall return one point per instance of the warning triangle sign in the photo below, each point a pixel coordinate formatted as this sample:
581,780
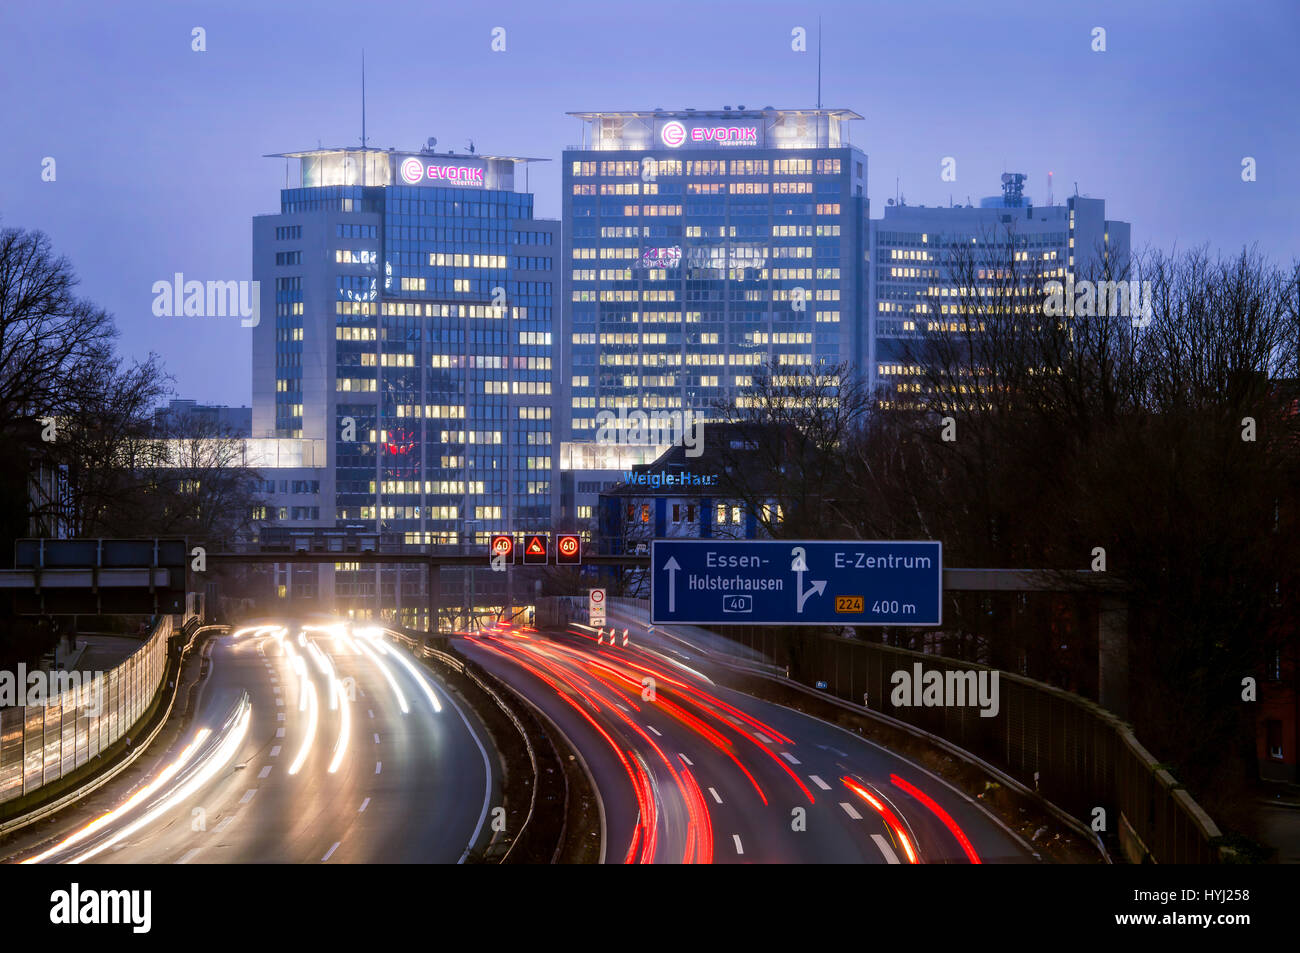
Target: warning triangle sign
535,547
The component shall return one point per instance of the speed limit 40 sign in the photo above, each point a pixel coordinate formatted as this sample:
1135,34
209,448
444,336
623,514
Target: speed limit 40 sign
596,607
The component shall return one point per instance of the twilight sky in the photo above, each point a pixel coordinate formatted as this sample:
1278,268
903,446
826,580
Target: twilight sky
158,148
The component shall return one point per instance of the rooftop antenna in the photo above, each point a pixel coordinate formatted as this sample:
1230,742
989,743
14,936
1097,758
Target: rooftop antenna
819,63
363,99
1049,187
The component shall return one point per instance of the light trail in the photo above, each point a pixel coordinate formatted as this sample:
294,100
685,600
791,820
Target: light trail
313,715
232,736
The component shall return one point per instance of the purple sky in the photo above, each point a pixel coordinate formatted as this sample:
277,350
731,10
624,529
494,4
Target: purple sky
159,148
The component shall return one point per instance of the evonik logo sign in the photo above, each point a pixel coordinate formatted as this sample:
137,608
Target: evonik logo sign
674,133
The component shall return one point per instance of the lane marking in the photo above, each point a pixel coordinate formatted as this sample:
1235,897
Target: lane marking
189,854
363,805
789,757
850,810
376,737
890,856
686,759
740,849
330,853
378,765
279,732
275,751
371,711
276,689
716,796
280,717
264,773
819,782
279,700
655,730
762,737
248,795
226,822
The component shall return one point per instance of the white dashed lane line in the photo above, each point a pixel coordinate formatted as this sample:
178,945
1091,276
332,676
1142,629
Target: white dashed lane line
762,737
275,751
226,822
688,761
264,773
789,757
363,805
655,730
330,853
740,848
378,765
376,738
189,855
716,796
850,810
819,782
279,732
248,795
890,856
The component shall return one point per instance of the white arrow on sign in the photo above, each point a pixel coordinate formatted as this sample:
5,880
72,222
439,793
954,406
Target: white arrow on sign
672,566
800,565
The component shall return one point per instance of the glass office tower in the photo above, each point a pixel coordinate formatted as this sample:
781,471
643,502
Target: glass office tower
407,322
700,246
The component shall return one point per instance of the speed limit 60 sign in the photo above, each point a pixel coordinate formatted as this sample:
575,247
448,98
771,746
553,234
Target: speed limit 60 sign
568,550
596,607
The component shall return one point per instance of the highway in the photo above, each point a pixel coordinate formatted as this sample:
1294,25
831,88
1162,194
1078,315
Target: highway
311,743
695,773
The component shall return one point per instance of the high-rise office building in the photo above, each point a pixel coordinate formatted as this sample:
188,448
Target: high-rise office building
915,286
699,247
406,322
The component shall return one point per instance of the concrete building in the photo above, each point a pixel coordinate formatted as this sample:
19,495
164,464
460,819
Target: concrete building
912,255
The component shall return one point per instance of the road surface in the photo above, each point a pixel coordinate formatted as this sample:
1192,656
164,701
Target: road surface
691,772
308,746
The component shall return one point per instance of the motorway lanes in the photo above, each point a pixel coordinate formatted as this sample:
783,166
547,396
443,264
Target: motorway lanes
323,745
698,773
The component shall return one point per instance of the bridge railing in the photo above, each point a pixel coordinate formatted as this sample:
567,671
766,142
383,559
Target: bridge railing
41,743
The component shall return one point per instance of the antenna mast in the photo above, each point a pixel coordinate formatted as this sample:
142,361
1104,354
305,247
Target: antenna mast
819,62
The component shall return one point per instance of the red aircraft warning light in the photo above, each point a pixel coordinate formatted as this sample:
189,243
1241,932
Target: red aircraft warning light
568,550
535,550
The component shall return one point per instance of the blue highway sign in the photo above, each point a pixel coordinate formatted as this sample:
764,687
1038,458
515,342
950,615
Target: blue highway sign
796,582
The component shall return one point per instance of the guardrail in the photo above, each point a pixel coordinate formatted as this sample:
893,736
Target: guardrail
39,744
1070,751
419,649
108,774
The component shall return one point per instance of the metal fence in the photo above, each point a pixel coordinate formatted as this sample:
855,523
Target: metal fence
42,743
1075,754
